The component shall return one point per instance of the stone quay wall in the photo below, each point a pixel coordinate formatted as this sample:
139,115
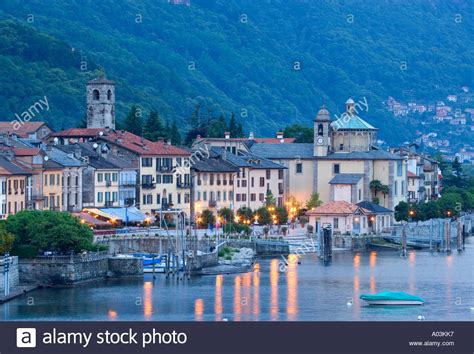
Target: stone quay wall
64,270
13,272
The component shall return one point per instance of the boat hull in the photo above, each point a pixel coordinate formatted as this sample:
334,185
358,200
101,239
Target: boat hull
394,302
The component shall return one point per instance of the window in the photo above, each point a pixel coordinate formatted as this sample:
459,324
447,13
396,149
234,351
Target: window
320,129
45,180
167,179
261,197
224,195
147,199
158,199
147,162
100,197
114,196
360,194
395,188
231,195
244,183
204,196
179,198
262,181
299,167
95,95
280,174
109,95
100,177
107,196
178,161
158,179
238,197
336,223
341,147
252,182
253,197
403,188
336,168
244,197
114,177
399,168
269,173
198,196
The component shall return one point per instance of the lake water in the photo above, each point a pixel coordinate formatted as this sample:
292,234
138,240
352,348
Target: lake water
310,291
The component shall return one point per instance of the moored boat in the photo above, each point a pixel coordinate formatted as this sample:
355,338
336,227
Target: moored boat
392,298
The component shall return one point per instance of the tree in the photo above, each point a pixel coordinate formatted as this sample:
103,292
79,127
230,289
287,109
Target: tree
217,128
208,218
270,200
83,123
153,127
313,201
240,131
300,133
49,231
226,214
282,215
194,119
375,186
174,134
401,211
6,239
263,216
244,213
233,129
133,121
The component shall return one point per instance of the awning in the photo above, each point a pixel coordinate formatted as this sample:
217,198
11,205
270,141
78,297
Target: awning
131,214
98,212
89,219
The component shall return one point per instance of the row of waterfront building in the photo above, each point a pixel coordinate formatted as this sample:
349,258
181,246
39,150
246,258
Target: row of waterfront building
101,167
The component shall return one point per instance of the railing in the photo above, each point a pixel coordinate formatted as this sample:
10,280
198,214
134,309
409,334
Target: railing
85,257
37,196
109,203
164,168
148,185
128,184
108,183
186,185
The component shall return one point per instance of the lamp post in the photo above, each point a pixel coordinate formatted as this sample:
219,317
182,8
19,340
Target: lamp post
6,274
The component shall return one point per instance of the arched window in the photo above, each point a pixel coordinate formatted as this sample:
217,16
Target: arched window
320,129
109,95
95,95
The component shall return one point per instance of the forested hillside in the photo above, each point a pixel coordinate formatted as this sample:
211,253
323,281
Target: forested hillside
271,62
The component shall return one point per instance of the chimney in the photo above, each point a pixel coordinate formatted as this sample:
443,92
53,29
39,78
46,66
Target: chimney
280,135
168,142
251,137
227,135
77,151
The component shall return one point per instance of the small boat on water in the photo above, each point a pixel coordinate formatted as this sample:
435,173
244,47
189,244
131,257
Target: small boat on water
392,298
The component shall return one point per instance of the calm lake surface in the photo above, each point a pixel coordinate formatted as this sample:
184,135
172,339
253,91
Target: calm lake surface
308,291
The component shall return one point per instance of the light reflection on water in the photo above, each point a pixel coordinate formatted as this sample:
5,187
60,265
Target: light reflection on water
306,291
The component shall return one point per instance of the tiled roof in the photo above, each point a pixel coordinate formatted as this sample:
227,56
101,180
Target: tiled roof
244,159
346,178
374,208
52,165
283,151
64,159
362,155
351,122
100,80
274,140
11,167
25,129
126,140
26,151
412,175
214,165
340,207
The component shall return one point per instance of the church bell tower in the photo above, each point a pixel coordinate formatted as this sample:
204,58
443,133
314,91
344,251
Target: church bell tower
322,140
101,103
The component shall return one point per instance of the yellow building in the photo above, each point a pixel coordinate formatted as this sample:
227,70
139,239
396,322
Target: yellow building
341,163
16,179
52,186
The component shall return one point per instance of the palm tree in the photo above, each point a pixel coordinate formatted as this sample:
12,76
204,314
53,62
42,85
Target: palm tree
375,186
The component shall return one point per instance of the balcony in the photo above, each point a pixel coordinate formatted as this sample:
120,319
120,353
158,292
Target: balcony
54,208
36,196
184,185
164,169
108,184
212,203
129,184
109,203
148,185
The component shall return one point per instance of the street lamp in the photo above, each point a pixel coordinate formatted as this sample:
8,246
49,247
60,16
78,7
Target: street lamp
6,273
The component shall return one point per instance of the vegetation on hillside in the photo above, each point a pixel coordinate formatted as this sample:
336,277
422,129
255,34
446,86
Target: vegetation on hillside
271,63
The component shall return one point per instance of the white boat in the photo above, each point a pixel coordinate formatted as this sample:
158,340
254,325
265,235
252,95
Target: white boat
392,298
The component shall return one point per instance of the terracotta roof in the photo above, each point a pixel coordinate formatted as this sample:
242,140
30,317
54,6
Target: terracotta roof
275,140
11,167
25,129
78,132
26,151
125,140
340,207
412,175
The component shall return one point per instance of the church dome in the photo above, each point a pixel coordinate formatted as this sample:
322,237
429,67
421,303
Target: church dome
323,115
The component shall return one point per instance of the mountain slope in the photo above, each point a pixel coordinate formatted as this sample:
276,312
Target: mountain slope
272,63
